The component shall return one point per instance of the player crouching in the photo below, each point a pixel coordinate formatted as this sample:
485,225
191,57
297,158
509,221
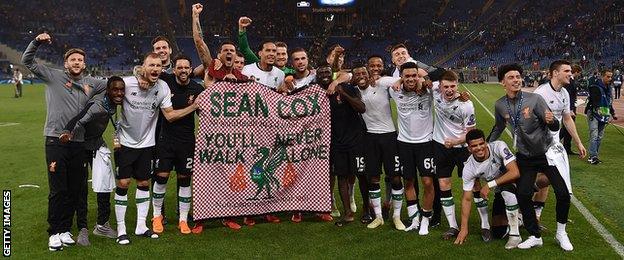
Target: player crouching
495,164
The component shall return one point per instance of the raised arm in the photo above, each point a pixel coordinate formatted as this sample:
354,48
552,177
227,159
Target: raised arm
243,43
28,58
198,38
335,57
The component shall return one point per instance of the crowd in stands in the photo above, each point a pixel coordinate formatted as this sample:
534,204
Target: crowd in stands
480,34
544,31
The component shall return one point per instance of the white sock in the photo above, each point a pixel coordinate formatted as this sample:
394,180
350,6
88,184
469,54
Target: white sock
424,226
184,199
351,190
121,203
512,220
513,215
412,212
561,228
397,202
375,200
449,210
538,212
142,201
158,197
482,208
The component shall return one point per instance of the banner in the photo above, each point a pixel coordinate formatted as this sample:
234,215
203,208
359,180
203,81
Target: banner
258,151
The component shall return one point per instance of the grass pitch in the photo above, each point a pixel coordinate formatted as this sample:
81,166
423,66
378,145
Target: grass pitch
23,162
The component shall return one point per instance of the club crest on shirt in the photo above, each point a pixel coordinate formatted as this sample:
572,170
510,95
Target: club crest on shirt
52,167
526,112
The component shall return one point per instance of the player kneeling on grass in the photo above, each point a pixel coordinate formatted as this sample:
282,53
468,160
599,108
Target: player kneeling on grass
495,164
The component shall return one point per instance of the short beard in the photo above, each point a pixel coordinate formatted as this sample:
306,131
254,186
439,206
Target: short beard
69,71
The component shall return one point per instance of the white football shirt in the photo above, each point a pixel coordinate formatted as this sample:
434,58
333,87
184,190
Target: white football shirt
491,168
451,118
558,102
414,114
140,112
304,81
378,115
272,79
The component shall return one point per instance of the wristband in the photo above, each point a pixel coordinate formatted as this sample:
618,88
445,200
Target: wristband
492,184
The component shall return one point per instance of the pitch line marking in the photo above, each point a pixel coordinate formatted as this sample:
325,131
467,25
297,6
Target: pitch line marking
29,186
604,233
8,123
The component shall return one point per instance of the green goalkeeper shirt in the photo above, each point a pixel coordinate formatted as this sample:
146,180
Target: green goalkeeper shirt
250,56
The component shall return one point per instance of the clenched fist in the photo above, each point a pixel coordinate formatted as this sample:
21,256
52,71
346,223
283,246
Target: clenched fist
243,22
197,9
549,117
44,37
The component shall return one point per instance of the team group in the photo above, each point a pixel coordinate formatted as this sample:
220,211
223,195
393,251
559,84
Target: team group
436,133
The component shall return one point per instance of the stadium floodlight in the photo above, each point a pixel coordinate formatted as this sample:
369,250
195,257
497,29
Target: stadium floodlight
303,4
336,2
